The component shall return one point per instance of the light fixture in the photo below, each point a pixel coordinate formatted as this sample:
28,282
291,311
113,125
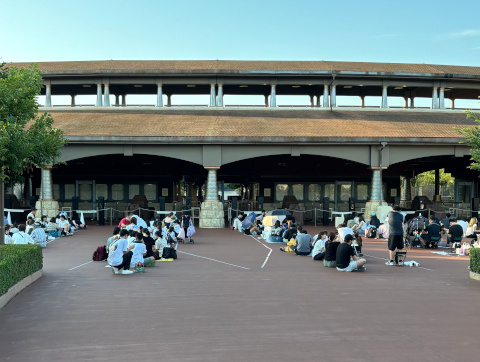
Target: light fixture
138,86
360,85
86,86
191,85
296,86
398,88
243,86
347,86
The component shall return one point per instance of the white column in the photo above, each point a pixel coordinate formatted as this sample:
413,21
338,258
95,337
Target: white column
273,95
333,95
212,95
384,97
159,95
99,95
362,101
442,98
220,95
48,95
326,97
106,100
47,184
434,98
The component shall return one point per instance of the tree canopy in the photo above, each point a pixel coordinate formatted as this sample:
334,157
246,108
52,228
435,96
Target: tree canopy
428,178
26,138
472,139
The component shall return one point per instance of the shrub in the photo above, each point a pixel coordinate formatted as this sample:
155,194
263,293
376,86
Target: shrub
18,262
475,260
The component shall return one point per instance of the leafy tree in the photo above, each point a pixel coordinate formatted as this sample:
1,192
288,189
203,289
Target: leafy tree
472,139
428,178
26,138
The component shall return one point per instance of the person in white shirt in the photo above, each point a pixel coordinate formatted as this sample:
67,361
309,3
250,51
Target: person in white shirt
21,237
32,214
176,227
318,252
160,243
139,251
8,237
38,235
140,221
343,231
237,223
464,226
64,225
120,255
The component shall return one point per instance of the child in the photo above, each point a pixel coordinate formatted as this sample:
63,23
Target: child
139,252
53,229
357,243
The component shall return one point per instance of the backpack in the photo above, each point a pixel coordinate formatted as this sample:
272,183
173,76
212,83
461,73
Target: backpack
100,253
372,232
169,253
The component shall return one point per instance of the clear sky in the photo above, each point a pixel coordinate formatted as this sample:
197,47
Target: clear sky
421,31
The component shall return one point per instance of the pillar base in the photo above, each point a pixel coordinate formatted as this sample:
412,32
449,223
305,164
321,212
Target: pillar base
47,207
437,198
372,207
212,215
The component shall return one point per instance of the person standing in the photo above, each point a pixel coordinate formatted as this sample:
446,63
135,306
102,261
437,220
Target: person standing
395,238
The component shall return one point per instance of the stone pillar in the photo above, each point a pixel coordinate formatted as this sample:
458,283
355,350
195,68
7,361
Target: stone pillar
159,95
211,213
169,100
406,198
318,100
453,103
212,95
333,96
384,97
412,102
117,100
405,102
434,98
48,95
311,100
273,95
266,100
99,96
72,103
220,95
442,98
326,97
362,101
106,100
376,194
124,100
47,205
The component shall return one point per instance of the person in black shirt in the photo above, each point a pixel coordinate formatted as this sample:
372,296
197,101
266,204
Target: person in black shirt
331,251
455,232
431,230
445,223
291,233
149,242
346,258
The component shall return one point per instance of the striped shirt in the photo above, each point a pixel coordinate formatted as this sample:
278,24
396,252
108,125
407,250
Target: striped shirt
38,235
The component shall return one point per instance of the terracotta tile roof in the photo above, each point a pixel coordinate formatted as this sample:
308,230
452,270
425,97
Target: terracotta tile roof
233,66
264,124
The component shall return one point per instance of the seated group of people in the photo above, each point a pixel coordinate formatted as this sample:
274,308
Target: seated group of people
37,232
134,242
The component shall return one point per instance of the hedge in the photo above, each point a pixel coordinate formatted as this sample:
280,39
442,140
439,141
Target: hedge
18,262
475,260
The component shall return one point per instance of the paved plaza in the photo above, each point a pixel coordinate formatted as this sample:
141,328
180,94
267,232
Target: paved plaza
230,297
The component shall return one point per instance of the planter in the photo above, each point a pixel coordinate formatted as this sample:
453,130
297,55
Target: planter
474,276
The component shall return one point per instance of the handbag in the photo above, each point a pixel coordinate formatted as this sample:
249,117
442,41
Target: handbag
169,253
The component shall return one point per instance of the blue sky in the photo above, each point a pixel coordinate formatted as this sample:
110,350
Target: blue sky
439,32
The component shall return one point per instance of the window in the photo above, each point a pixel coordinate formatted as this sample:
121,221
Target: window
133,190
69,191
345,192
56,191
281,190
362,192
117,192
298,191
150,191
101,190
314,192
85,192
330,191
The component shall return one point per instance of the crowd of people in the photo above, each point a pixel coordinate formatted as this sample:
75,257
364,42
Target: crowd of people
40,230
135,242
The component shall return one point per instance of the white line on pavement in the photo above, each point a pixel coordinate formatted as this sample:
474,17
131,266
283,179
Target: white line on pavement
78,266
218,261
268,256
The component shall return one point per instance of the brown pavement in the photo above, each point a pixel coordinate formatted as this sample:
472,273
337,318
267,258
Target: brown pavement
230,308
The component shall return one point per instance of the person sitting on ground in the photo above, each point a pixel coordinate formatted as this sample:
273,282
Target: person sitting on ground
455,232
331,251
53,229
160,243
276,233
343,231
120,254
171,237
445,223
168,219
14,229
383,231
140,252
360,226
318,246
148,241
357,242
38,235
64,225
346,258
29,226
44,221
464,225
472,228
133,224
431,230
8,235
374,221
22,237
253,229
131,237
114,237
76,224
290,233
237,223
139,221
301,244
32,214
124,222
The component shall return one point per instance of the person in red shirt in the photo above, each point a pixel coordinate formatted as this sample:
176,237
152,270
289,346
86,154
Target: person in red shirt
124,222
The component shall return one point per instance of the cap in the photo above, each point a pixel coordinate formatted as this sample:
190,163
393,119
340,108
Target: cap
373,214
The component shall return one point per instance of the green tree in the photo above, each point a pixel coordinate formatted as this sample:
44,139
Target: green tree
428,178
472,139
26,138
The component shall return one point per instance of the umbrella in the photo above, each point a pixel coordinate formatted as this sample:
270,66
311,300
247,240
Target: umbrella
279,212
249,220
